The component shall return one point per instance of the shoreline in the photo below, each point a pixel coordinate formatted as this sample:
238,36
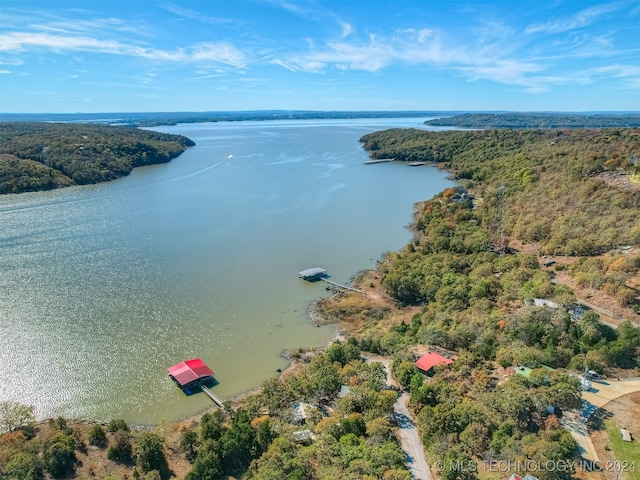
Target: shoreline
294,361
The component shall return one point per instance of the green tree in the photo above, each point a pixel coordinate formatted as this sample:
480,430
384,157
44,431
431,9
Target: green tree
14,415
23,466
97,436
118,425
189,444
264,437
206,467
211,426
120,450
152,475
238,444
403,372
149,453
60,459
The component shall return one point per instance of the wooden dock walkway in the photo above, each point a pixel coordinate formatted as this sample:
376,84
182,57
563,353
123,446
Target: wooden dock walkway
213,396
379,160
342,286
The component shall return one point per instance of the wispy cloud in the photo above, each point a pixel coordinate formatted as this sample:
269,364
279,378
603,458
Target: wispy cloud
411,46
283,65
189,14
78,25
530,56
580,20
222,52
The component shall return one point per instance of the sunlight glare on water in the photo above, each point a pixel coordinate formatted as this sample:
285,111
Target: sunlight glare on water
104,287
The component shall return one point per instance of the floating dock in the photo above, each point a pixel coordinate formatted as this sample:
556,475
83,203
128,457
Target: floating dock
317,273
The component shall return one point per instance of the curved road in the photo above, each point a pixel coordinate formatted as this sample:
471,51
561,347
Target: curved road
408,433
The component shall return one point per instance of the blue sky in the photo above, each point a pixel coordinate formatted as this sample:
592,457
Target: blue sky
189,55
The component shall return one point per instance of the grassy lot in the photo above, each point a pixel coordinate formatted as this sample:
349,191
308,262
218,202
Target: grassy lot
627,453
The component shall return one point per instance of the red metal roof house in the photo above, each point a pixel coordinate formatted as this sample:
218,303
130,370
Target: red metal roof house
430,360
190,373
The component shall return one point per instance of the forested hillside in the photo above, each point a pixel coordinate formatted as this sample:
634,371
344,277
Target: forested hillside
43,156
536,120
512,381
554,192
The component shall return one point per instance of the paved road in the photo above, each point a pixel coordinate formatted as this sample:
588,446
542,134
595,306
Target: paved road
408,433
600,394
410,440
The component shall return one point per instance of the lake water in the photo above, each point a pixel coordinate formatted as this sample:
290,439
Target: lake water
103,287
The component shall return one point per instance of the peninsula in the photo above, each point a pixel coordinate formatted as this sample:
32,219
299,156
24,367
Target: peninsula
42,156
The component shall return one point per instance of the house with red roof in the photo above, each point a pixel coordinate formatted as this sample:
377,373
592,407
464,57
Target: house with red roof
430,359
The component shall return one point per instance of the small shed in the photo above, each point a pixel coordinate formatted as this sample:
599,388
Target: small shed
626,435
543,302
585,384
430,360
301,411
304,437
190,374
344,391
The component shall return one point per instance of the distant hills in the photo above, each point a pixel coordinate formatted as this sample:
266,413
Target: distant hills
149,119
461,119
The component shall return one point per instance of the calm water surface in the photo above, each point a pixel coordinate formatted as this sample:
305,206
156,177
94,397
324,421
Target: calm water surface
103,287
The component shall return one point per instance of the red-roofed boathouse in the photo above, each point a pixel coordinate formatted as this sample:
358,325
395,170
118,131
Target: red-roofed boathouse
190,374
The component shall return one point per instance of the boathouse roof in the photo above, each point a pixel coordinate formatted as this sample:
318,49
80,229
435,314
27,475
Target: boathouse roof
312,272
190,371
430,360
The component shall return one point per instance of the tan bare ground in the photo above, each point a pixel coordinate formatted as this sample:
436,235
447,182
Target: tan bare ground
605,304
93,463
625,413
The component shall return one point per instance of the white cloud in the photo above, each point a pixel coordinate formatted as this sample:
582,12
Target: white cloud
346,29
78,25
509,72
193,15
5,72
410,46
581,19
219,52
283,65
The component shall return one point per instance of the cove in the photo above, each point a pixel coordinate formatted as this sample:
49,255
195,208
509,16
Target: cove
103,287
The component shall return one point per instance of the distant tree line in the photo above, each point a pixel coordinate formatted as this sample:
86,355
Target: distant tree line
42,156
148,119
536,120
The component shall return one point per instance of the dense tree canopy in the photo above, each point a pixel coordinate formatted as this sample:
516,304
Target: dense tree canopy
535,120
42,156
553,190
